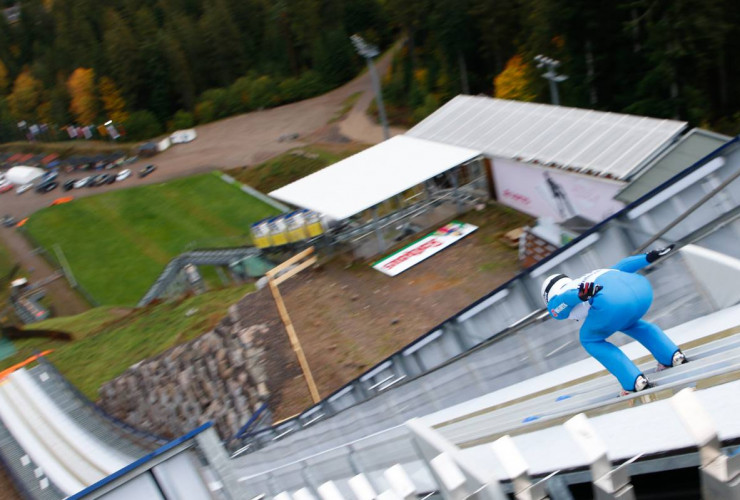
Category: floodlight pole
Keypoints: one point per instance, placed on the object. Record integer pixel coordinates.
(368, 52)
(551, 76)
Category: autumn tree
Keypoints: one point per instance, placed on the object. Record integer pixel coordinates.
(514, 81)
(84, 103)
(113, 102)
(26, 96)
(4, 81)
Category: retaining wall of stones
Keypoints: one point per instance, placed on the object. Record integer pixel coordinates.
(218, 377)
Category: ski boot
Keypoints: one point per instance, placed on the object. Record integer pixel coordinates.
(678, 359)
(641, 383)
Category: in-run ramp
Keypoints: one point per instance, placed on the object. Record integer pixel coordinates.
(533, 411)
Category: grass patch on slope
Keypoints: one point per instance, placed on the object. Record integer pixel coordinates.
(117, 243)
(346, 107)
(293, 165)
(108, 340)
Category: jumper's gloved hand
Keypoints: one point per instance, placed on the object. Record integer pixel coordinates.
(587, 290)
(658, 253)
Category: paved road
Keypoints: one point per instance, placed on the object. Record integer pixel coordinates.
(246, 139)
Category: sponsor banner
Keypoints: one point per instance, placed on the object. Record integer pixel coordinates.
(424, 248)
(112, 132)
(559, 195)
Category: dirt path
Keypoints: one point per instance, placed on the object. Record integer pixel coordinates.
(65, 300)
(241, 140)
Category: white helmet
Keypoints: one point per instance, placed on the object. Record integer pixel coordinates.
(553, 284)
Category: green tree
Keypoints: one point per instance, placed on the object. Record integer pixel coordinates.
(333, 57)
(122, 56)
(205, 112)
(142, 125)
(58, 109)
(449, 23)
(179, 71)
(681, 44)
(182, 120)
(222, 42)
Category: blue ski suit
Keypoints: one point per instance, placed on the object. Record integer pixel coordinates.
(618, 306)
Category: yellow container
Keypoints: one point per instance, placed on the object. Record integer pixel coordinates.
(296, 227)
(260, 235)
(278, 231)
(313, 224)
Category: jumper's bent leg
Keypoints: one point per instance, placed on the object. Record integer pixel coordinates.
(654, 340)
(612, 358)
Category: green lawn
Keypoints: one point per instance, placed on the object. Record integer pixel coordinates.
(117, 243)
(108, 340)
(6, 265)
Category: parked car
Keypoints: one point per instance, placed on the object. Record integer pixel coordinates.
(70, 184)
(23, 188)
(147, 170)
(49, 176)
(123, 175)
(93, 181)
(99, 180)
(46, 187)
(8, 221)
(80, 183)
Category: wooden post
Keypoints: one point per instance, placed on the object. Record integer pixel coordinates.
(274, 281)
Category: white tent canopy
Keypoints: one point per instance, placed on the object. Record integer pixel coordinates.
(23, 175)
(376, 174)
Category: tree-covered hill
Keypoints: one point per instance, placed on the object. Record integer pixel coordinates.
(661, 58)
(147, 63)
(166, 64)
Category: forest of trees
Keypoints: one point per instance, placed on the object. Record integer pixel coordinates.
(660, 58)
(159, 65)
(162, 64)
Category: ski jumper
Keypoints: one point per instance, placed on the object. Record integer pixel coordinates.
(618, 306)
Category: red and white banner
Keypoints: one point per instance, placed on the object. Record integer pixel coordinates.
(424, 248)
(560, 195)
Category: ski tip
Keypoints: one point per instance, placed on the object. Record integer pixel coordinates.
(564, 396)
(530, 419)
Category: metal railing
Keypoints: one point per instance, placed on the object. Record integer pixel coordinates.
(211, 257)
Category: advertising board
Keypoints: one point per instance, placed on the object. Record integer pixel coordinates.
(421, 250)
(559, 195)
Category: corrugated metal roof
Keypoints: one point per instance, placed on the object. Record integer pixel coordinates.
(691, 148)
(594, 142)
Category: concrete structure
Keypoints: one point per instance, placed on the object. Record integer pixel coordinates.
(687, 150)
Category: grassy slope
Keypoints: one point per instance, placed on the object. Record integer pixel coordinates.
(108, 340)
(291, 166)
(118, 242)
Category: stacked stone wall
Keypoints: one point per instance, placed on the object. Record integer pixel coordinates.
(218, 377)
